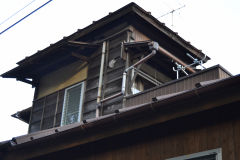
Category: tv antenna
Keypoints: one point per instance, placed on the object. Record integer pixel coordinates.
(171, 12)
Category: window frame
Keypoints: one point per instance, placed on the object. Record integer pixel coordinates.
(217, 151)
(80, 104)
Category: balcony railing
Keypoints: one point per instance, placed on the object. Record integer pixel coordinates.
(178, 85)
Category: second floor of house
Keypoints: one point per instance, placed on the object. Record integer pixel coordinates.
(125, 59)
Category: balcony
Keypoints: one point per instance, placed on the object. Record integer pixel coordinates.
(182, 84)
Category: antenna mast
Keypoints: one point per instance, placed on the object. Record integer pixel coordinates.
(171, 12)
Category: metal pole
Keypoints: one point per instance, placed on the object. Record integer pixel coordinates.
(101, 77)
(142, 60)
(124, 82)
(111, 97)
(134, 65)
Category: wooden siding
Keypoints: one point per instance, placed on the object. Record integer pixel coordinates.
(223, 73)
(212, 129)
(138, 36)
(50, 105)
(90, 100)
(47, 110)
(112, 78)
(185, 83)
(62, 78)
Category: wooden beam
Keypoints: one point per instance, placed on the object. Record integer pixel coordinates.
(85, 44)
(26, 81)
(81, 57)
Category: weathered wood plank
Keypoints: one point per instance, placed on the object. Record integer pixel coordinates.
(89, 106)
(113, 87)
(236, 137)
(118, 72)
(93, 73)
(92, 84)
(117, 40)
(115, 52)
(89, 115)
(112, 108)
(91, 95)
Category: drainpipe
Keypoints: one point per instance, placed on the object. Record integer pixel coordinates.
(101, 77)
(154, 47)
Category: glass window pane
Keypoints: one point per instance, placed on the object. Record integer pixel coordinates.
(72, 105)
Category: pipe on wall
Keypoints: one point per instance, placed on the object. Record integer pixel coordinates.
(154, 47)
(101, 77)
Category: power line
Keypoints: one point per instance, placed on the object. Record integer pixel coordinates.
(25, 17)
(16, 12)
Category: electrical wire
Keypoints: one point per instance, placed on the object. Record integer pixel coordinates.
(16, 12)
(25, 16)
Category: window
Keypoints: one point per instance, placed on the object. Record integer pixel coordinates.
(72, 105)
(215, 154)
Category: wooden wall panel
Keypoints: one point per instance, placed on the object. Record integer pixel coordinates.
(185, 83)
(89, 106)
(236, 137)
(113, 76)
(90, 97)
(89, 115)
(223, 74)
(226, 141)
(183, 136)
(138, 36)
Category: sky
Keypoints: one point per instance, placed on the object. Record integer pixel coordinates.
(212, 26)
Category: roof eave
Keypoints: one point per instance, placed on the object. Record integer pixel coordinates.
(132, 7)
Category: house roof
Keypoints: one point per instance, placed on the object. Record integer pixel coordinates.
(23, 115)
(160, 110)
(59, 51)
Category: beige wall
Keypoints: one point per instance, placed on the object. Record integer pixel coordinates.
(62, 78)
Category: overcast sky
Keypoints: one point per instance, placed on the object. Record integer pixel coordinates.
(210, 25)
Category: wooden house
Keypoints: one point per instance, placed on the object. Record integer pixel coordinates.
(126, 87)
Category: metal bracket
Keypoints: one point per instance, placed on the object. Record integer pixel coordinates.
(179, 68)
(196, 61)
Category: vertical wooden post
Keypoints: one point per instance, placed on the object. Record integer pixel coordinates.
(55, 114)
(43, 113)
(34, 98)
(30, 119)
